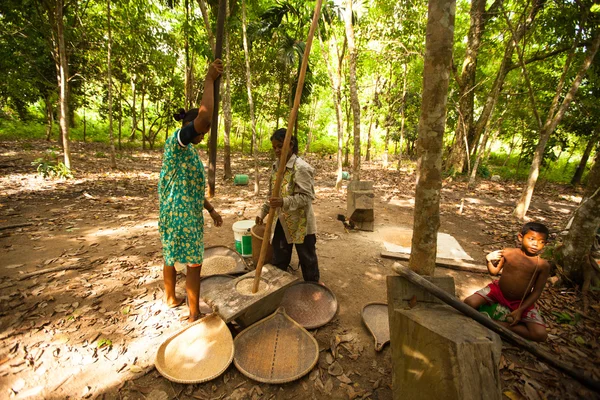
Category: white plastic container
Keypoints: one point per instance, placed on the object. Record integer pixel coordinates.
(243, 237)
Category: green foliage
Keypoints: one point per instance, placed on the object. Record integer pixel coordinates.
(483, 171)
(566, 318)
(325, 146)
(18, 130)
(103, 342)
(49, 166)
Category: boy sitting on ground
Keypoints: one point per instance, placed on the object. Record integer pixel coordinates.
(523, 278)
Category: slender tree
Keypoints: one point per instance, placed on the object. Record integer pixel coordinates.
(253, 148)
(586, 155)
(466, 84)
(436, 73)
(575, 251)
(55, 11)
(113, 158)
(553, 118)
(334, 71)
(227, 113)
(214, 127)
(354, 102)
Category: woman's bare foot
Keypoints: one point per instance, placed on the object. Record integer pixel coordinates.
(174, 302)
(194, 318)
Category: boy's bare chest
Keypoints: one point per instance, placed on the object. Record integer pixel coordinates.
(517, 262)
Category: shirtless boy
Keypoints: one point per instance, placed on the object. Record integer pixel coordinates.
(523, 278)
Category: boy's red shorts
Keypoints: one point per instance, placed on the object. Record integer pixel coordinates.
(492, 294)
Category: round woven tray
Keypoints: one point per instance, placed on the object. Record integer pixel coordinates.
(375, 318)
(275, 350)
(310, 304)
(197, 353)
(219, 252)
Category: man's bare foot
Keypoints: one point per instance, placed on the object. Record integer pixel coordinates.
(174, 303)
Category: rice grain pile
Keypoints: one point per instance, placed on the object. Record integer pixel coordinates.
(218, 265)
(245, 287)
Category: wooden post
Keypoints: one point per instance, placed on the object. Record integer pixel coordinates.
(534, 349)
(286, 145)
(214, 126)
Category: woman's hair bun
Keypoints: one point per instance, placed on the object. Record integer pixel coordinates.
(179, 115)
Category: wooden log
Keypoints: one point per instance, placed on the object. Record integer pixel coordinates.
(53, 269)
(2, 228)
(441, 262)
(534, 349)
(286, 145)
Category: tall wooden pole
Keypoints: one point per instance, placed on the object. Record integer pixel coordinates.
(286, 146)
(214, 126)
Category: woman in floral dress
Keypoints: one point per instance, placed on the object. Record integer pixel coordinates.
(181, 198)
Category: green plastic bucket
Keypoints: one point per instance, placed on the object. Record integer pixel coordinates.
(345, 175)
(240, 180)
(243, 237)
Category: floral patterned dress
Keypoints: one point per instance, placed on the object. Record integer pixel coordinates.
(181, 199)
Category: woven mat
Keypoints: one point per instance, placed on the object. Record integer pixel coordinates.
(275, 350)
(198, 353)
(375, 317)
(310, 304)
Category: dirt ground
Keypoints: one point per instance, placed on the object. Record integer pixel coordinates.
(90, 327)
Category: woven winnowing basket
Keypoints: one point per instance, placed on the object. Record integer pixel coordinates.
(375, 318)
(197, 353)
(275, 350)
(310, 304)
(238, 264)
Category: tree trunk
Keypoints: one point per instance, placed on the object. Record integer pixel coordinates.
(436, 72)
(348, 136)
(189, 67)
(353, 90)
(49, 115)
(551, 122)
(206, 18)
(227, 114)
(143, 115)
(505, 68)
(402, 116)
(368, 152)
(250, 100)
(214, 127)
(56, 15)
(335, 77)
(510, 148)
(374, 105)
(120, 114)
(311, 124)
(466, 86)
(133, 109)
(577, 245)
(113, 158)
(586, 155)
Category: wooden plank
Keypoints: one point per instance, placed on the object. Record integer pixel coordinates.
(232, 305)
(441, 262)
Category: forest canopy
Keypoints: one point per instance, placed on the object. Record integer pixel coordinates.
(513, 65)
